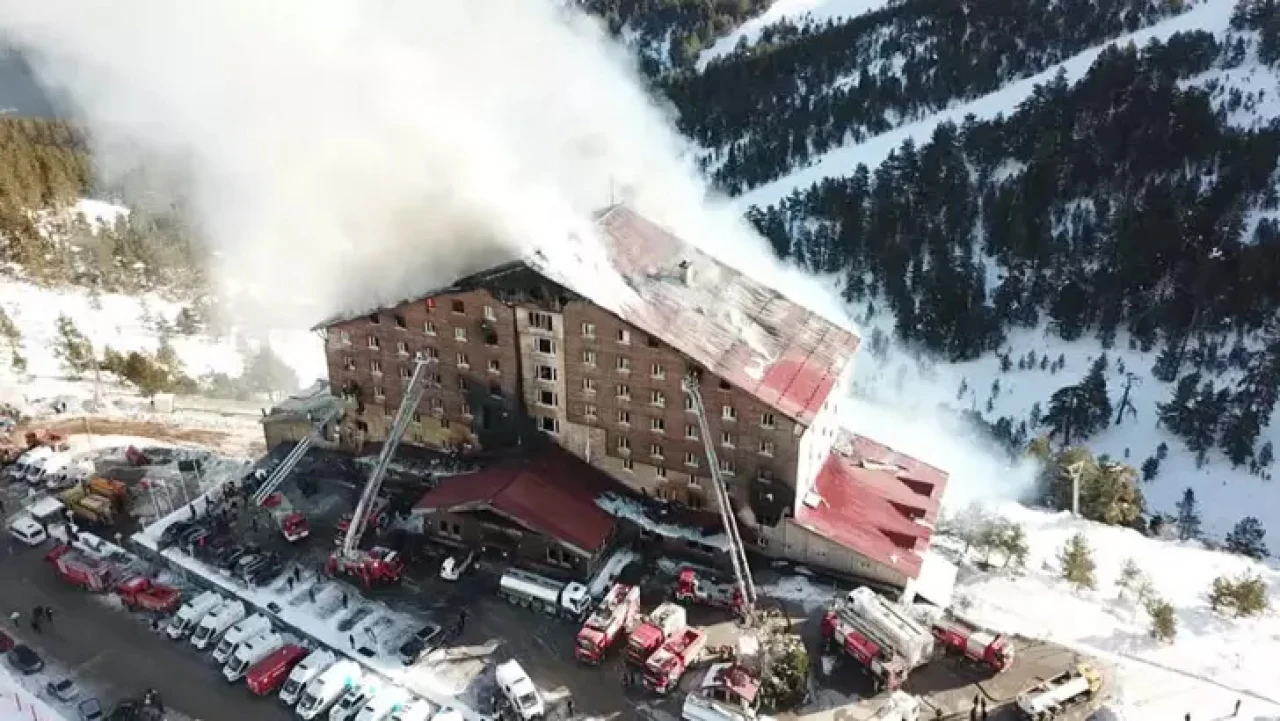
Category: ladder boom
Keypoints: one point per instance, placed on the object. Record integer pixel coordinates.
(295, 455)
(412, 395)
(737, 550)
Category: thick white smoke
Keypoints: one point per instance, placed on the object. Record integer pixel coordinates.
(351, 152)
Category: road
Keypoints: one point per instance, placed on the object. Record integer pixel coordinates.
(115, 650)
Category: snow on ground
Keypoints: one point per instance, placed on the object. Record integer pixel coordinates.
(632, 510)
(1210, 16)
(1213, 661)
(20, 700)
(794, 10)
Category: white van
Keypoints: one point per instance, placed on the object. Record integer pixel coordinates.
(249, 653)
(65, 475)
(191, 613)
(324, 690)
(29, 462)
(383, 704)
(418, 710)
(354, 699)
(216, 623)
(316, 663)
(516, 685)
(24, 528)
(239, 633)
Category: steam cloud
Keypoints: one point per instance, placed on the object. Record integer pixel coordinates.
(348, 153)
(354, 152)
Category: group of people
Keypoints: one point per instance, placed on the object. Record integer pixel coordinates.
(40, 617)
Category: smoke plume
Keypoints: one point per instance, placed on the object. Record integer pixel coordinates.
(349, 152)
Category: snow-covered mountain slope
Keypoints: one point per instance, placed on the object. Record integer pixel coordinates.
(1210, 16)
(794, 10)
(1213, 661)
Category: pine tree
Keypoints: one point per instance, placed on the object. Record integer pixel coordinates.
(1076, 559)
(1246, 538)
(1130, 576)
(1188, 516)
(1244, 595)
(72, 348)
(9, 332)
(1150, 468)
(1164, 623)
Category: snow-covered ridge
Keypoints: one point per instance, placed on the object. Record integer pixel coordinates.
(1210, 16)
(794, 10)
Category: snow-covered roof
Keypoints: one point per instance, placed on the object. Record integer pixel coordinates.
(308, 403)
(738, 328)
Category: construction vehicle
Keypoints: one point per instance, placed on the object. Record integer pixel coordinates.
(114, 491)
(88, 507)
(692, 588)
(610, 621)
(141, 593)
(956, 636)
(728, 692)
(79, 569)
(663, 623)
(523, 588)
(881, 636)
(379, 565)
(294, 527)
(1051, 696)
(663, 670)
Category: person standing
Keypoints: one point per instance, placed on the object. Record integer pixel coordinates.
(1236, 712)
(570, 705)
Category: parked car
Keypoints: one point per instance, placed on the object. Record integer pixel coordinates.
(90, 710)
(64, 690)
(171, 534)
(266, 573)
(427, 639)
(454, 566)
(25, 660)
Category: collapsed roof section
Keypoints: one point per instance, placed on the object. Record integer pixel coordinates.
(874, 500)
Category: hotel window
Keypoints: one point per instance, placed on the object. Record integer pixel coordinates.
(458, 307)
(624, 443)
(766, 448)
(726, 466)
(656, 398)
(548, 398)
(417, 417)
(690, 459)
(691, 432)
(588, 330)
(400, 322)
(378, 392)
(545, 373)
(660, 472)
(402, 348)
(460, 335)
(541, 321)
(729, 413)
(546, 346)
(375, 367)
(548, 424)
(628, 464)
(433, 353)
(588, 385)
(489, 314)
(374, 319)
(463, 361)
(437, 405)
(624, 364)
(655, 450)
(624, 336)
(589, 411)
(589, 357)
(624, 392)
(688, 403)
(657, 371)
(767, 421)
(466, 408)
(405, 373)
(726, 440)
(624, 418)
(495, 389)
(495, 366)
(429, 328)
(373, 342)
(349, 364)
(657, 425)
(344, 337)
(463, 385)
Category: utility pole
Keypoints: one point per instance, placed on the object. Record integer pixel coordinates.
(1075, 470)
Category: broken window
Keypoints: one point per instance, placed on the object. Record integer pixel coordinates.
(624, 364)
(548, 398)
(463, 361)
(495, 366)
(548, 424)
(657, 425)
(724, 385)
(652, 342)
(624, 336)
(542, 321)
(375, 367)
(588, 330)
(589, 357)
(374, 319)
(767, 421)
(429, 328)
(546, 373)
(459, 307)
(495, 389)
(460, 335)
(546, 346)
(658, 399)
(400, 322)
(624, 418)
(490, 338)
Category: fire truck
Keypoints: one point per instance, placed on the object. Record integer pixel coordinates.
(78, 569)
(721, 593)
(377, 566)
(1051, 696)
(294, 527)
(141, 593)
(957, 636)
(665, 622)
(663, 670)
(616, 613)
(879, 635)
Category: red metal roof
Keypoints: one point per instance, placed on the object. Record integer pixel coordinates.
(876, 501)
(740, 329)
(547, 491)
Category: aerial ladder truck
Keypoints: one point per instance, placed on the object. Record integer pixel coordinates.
(378, 565)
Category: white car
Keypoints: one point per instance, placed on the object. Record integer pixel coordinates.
(25, 529)
(454, 566)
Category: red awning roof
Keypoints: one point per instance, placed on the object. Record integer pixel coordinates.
(876, 501)
(548, 492)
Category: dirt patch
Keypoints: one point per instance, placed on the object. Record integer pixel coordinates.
(144, 429)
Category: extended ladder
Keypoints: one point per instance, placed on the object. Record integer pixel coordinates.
(291, 461)
(737, 551)
(412, 395)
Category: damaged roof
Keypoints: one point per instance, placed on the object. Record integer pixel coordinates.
(872, 499)
(547, 492)
(745, 332)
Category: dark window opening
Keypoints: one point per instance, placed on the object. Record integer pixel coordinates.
(459, 307)
(653, 342)
(495, 390)
(724, 385)
(373, 319)
(400, 322)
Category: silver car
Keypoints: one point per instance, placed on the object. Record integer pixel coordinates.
(64, 690)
